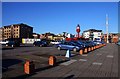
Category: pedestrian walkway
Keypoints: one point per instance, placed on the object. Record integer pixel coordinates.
(102, 62)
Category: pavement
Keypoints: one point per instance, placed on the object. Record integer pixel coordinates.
(102, 62)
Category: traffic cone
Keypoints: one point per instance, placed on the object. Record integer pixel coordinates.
(68, 54)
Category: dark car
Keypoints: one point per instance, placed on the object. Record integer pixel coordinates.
(82, 43)
(40, 43)
(90, 43)
(13, 43)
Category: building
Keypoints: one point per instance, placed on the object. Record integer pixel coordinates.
(1, 34)
(92, 34)
(114, 37)
(35, 35)
(17, 31)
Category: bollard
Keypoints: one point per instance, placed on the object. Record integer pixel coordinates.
(85, 50)
(52, 60)
(97, 46)
(89, 49)
(94, 47)
(29, 67)
(81, 51)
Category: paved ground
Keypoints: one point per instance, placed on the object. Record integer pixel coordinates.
(102, 62)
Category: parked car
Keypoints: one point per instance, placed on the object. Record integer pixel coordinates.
(40, 43)
(68, 46)
(3, 42)
(99, 42)
(13, 43)
(82, 43)
(54, 42)
(90, 43)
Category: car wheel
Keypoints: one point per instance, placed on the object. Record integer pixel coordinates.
(6, 45)
(75, 49)
(40, 45)
(58, 48)
(12, 45)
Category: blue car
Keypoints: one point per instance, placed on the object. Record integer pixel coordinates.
(68, 46)
(82, 43)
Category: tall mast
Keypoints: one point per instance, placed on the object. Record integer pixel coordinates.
(107, 27)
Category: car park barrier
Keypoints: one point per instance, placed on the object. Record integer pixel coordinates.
(29, 67)
(52, 60)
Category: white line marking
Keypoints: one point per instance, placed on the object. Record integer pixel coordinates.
(96, 63)
(82, 60)
(99, 54)
(68, 62)
(85, 55)
(110, 56)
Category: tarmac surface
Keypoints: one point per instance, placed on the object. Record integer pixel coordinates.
(102, 62)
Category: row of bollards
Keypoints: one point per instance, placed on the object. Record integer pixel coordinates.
(89, 49)
(29, 66)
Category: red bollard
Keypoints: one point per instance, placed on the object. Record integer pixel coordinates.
(81, 51)
(29, 67)
(85, 50)
(52, 60)
(89, 49)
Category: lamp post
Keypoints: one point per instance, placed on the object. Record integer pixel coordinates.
(107, 27)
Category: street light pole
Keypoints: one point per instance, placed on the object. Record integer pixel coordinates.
(107, 27)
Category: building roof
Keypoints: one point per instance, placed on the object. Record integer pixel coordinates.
(92, 30)
(18, 25)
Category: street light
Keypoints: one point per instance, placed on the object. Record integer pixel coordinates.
(107, 27)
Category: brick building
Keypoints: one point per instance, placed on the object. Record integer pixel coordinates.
(17, 31)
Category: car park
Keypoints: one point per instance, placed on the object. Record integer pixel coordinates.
(40, 43)
(68, 46)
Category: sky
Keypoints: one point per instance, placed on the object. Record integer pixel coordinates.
(58, 17)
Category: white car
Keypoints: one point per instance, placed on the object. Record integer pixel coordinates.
(3, 42)
(55, 42)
